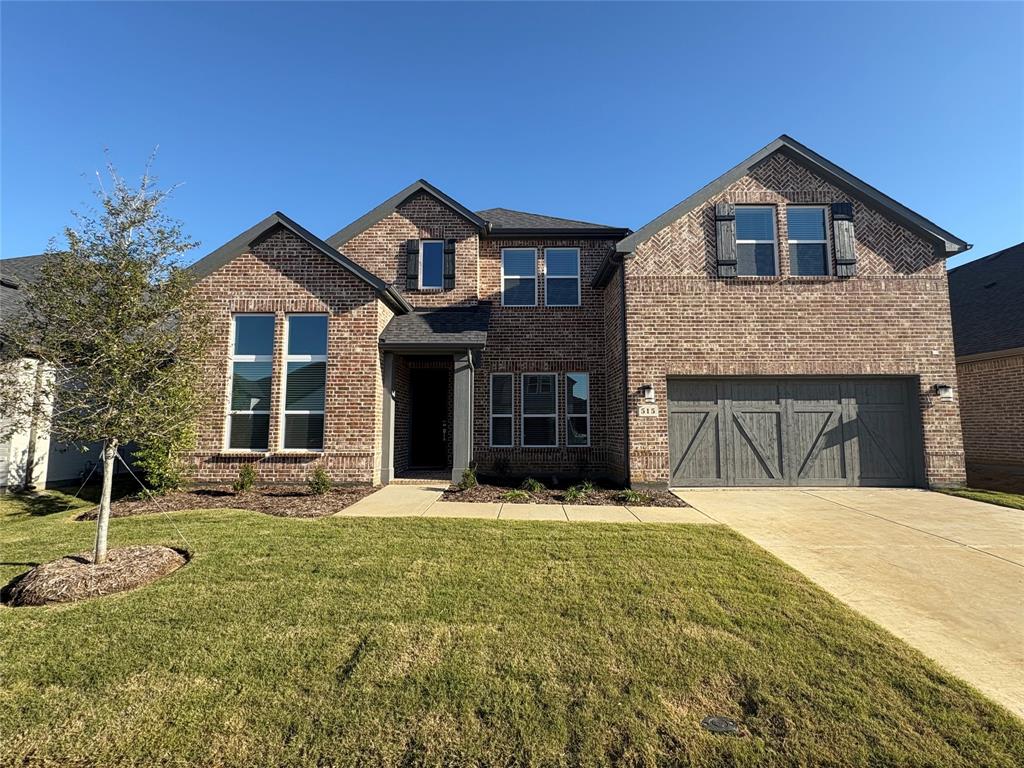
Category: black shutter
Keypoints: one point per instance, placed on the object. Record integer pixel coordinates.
(412, 264)
(725, 239)
(842, 231)
(449, 265)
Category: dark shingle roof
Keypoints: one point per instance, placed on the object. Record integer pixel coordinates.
(455, 327)
(985, 297)
(15, 274)
(507, 220)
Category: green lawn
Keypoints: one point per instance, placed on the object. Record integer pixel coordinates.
(1002, 498)
(443, 642)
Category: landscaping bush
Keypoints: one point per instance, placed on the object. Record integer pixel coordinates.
(246, 480)
(163, 460)
(578, 493)
(629, 496)
(468, 479)
(532, 486)
(319, 482)
(516, 496)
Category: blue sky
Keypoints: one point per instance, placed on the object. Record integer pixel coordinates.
(604, 112)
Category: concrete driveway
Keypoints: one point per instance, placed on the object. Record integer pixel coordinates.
(943, 573)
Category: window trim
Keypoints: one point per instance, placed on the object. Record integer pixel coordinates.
(419, 277)
(232, 359)
(774, 241)
(284, 384)
(523, 416)
(503, 276)
(828, 246)
(576, 415)
(511, 416)
(579, 281)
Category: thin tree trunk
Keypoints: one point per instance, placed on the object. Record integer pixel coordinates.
(103, 518)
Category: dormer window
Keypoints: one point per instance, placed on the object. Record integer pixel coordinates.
(432, 265)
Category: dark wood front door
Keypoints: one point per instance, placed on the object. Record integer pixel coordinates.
(428, 417)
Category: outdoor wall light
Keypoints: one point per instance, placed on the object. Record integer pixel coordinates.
(647, 390)
(944, 391)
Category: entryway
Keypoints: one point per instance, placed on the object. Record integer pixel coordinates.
(794, 431)
(429, 400)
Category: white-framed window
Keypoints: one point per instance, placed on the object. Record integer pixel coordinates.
(502, 399)
(305, 382)
(252, 371)
(756, 253)
(577, 409)
(562, 277)
(519, 277)
(432, 265)
(540, 410)
(808, 240)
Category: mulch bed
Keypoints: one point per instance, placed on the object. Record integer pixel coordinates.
(485, 492)
(74, 577)
(280, 501)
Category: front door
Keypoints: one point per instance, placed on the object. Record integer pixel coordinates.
(428, 417)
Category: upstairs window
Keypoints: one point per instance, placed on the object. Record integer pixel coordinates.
(518, 277)
(305, 382)
(808, 240)
(755, 241)
(252, 368)
(432, 265)
(501, 410)
(540, 410)
(577, 409)
(562, 277)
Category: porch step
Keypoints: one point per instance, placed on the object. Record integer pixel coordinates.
(419, 478)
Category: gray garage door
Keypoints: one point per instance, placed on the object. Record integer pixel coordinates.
(793, 432)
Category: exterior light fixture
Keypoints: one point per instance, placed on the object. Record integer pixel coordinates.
(943, 391)
(647, 390)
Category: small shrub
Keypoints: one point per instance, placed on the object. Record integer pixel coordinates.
(246, 480)
(516, 496)
(532, 486)
(629, 496)
(587, 487)
(468, 479)
(163, 462)
(574, 495)
(319, 482)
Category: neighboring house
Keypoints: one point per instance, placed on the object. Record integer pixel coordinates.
(785, 325)
(28, 458)
(987, 299)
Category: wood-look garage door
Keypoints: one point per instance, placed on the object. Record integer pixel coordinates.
(793, 432)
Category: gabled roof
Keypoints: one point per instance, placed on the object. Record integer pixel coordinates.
(824, 168)
(504, 221)
(388, 207)
(242, 243)
(449, 328)
(985, 300)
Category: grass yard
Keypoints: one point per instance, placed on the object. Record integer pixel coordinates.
(456, 642)
(1002, 498)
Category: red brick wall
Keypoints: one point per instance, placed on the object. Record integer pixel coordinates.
(615, 376)
(892, 319)
(541, 340)
(992, 409)
(281, 275)
(381, 249)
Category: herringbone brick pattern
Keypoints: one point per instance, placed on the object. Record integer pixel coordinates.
(687, 246)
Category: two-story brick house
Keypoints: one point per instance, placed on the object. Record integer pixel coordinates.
(787, 324)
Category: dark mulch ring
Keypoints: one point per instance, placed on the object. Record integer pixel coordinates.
(74, 577)
(495, 491)
(280, 501)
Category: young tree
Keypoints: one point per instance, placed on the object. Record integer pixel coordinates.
(114, 324)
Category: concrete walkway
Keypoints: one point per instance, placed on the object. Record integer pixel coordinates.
(943, 573)
(423, 500)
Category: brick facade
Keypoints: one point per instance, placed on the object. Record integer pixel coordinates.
(892, 319)
(280, 275)
(991, 398)
(663, 313)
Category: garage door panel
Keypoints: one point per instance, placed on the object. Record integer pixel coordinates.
(700, 460)
(792, 432)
